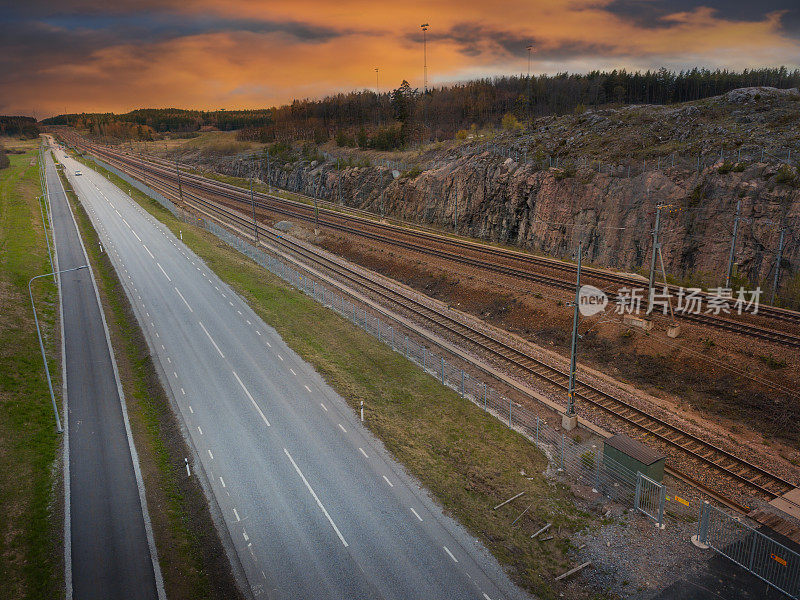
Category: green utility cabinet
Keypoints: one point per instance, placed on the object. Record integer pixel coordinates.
(634, 456)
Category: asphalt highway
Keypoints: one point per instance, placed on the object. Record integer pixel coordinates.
(311, 501)
(109, 550)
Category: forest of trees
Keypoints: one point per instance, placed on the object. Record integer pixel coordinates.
(148, 123)
(23, 127)
(395, 118)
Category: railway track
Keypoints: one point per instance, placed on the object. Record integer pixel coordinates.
(519, 363)
(451, 249)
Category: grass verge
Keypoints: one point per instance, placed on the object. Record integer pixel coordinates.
(30, 514)
(467, 459)
(192, 560)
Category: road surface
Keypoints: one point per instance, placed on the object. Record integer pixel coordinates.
(312, 502)
(109, 549)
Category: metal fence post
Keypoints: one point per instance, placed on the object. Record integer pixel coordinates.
(484, 397)
(424, 352)
(597, 471)
(406, 346)
(702, 532)
(462, 383)
(391, 329)
(510, 405)
(443, 370)
(537, 430)
(638, 493)
(563, 443)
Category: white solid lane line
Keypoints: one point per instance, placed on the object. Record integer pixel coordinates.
(164, 272)
(251, 399)
(310, 489)
(148, 251)
(184, 300)
(415, 514)
(212, 339)
(450, 554)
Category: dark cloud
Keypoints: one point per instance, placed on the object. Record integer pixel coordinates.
(474, 39)
(650, 13)
(30, 46)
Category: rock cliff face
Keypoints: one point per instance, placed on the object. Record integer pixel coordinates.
(471, 186)
(550, 210)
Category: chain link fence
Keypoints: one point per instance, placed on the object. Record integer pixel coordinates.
(751, 549)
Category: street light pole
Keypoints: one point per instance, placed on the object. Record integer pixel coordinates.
(41, 343)
(377, 99)
(424, 27)
(45, 221)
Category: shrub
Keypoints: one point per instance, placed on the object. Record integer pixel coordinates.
(510, 122)
(786, 175)
(462, 134)
(566, 172)
(725, 167)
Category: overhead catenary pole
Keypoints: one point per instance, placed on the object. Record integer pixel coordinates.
(253, 204)
(269, 180)
(338, 181)
(733, 244)
(574, 352)
(530, 49)
(180, 189)
(656, 246)
(316, 210)
(777, 267)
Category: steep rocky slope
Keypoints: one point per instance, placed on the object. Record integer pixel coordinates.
(614, 167)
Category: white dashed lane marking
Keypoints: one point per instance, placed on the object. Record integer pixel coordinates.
(263, 418)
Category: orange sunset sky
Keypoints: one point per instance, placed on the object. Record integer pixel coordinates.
(88, 55)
